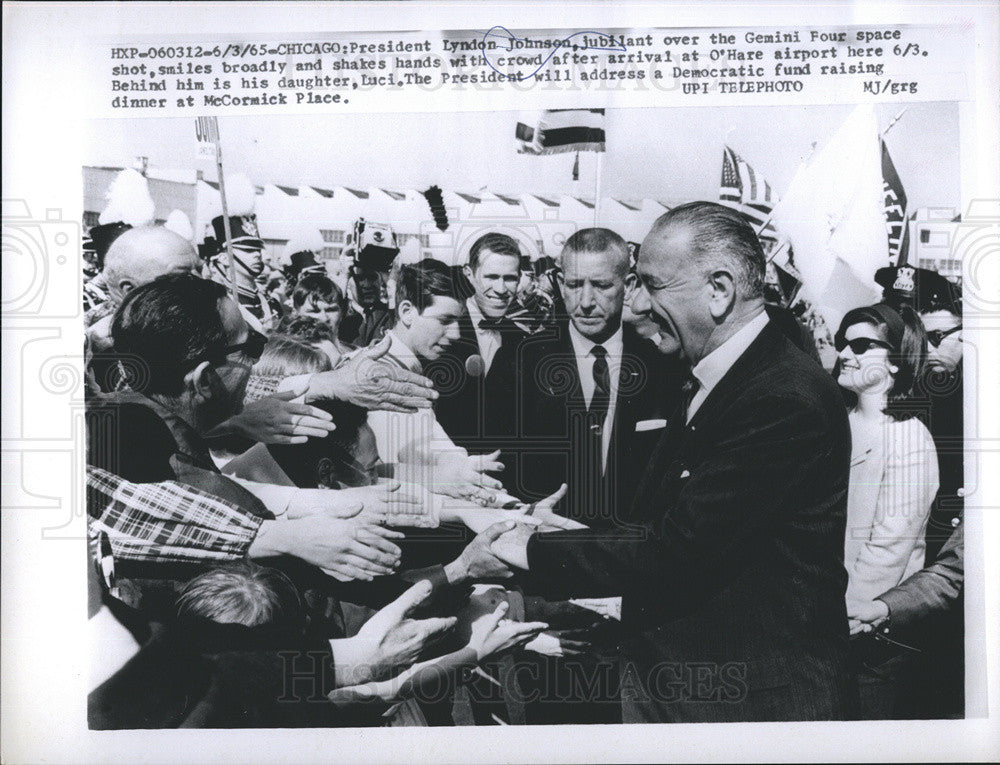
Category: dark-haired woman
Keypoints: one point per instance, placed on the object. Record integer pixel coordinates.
(894, 475)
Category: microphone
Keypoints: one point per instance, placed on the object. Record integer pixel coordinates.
(475, 365)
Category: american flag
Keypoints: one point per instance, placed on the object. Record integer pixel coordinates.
(743, 191)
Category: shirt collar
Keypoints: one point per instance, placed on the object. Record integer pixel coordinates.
(400, 353)
(474, 313)
(711, 369)
(582, 346)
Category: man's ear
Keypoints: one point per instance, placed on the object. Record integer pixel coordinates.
(467, 270)
(199, 380)
(631, 282)
(324, 473)
(406, 312)
(722, 293)
(125, 286)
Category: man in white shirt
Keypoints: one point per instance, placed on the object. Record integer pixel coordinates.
(732, 599)
(568, 401)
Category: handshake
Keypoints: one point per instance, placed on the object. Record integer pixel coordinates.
(506, 531)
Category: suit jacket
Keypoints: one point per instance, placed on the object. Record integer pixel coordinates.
(892, 485)
(931, 594)
(464, 399)
(538, 408)
(734, 594)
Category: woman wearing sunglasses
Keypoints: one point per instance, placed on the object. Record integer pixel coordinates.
(894, 474)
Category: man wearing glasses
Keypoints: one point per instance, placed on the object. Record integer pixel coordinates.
(937, 680)
(191, 351)
(939, 304)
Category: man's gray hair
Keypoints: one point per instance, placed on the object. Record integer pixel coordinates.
(598, 240)
(721, 236)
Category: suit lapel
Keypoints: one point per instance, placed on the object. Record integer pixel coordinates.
(751, 360)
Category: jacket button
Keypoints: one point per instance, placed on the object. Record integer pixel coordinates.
(955, 521)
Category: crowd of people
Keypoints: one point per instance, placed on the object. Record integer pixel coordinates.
(613, 486)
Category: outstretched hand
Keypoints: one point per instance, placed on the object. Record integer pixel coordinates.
(365, 380)
(391, 639)
(277, 419)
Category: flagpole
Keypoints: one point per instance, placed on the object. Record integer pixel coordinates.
(893, 122)
(225, 220)
(597, 190)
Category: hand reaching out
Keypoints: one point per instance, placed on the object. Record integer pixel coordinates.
(512, 546)
(350, 548)
(477, 560)
(390, 640)
(492, 633)
(364, 380)
(277, 419)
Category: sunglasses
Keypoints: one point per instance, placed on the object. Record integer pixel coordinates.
(252, 347)
(935, 336)
(860, 345)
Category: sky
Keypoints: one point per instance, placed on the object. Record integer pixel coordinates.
(673, 154)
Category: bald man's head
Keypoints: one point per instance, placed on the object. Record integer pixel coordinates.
(141, 255)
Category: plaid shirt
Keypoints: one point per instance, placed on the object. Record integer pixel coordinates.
(166, 521)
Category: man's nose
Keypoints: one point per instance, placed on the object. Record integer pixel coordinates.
(453, 332)
(587, 296)
(640, 304)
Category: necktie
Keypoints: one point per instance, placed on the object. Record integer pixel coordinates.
(597, 412)
(491, 324)
(601, 399)
(688, 390)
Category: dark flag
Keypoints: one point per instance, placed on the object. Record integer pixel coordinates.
(895, 211)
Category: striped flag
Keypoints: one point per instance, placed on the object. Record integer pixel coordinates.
(741, 190)
(895, 210)
(562, 130)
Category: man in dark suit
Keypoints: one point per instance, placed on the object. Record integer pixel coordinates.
(459, 374)
(585, 401)
(734, 595)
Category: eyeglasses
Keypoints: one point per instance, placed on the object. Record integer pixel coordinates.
(935, 336)
(252, 347)
(860, 345)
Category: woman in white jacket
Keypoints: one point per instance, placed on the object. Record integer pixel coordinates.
(894, 471)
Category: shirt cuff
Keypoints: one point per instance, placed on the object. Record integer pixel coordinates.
(275, 498)
(298, 382)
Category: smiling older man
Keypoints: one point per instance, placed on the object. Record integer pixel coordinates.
(733, 594)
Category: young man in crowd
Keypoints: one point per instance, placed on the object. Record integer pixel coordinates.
(483, 329)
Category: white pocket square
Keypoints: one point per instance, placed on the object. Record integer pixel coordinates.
(644, 425)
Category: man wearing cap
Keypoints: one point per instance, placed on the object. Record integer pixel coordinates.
(939, 304)
(936, 676)
(248, 249)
